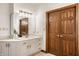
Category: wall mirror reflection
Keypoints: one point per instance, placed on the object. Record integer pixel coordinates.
(23, 24)
(23, 27)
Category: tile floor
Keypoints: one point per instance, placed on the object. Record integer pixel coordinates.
(43, 54)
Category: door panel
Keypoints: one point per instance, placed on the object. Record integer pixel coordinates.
(68, 31)
(54, 30)
(62, 32)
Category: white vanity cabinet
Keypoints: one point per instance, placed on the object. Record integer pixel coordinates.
(15, 48)
(20, 48)
(10, 48)
(3, 49)
(38, 44)
(31, 47)
(27, 47)
(0, 49)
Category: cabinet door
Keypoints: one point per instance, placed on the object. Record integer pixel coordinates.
(24, 48)
(0, 49)
(30, 47)
(37, 44)
(11, 48)
(27, 47)
(14, 48)
(4, 49)
(68, 27)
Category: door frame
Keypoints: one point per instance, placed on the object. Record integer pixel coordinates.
(47, 26)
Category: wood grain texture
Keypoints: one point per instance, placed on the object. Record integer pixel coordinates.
(68, 31)
(61, 31)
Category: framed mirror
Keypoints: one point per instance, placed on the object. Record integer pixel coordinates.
(23, 27)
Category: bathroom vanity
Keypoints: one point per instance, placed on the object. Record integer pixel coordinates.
(20, 46)
(24, 39)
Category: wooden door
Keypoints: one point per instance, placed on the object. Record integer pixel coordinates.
(54, 31)
(61, 31)
(68, 31)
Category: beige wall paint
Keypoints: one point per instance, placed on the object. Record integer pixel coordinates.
(4, 20)
(29, 7)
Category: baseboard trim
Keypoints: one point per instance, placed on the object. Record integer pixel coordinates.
(43, 51)
(35, 53)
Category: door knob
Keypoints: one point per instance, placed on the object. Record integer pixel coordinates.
(58, 35)
(61, 36)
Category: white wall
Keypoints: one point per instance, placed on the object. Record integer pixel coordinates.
(28, 7)
(4, 20)
(41, 18)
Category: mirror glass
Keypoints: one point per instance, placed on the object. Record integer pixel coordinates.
(22, 25)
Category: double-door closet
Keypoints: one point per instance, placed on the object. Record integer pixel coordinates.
(62, 31)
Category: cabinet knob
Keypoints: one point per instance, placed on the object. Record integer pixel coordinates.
(7, 45)
(1, 49)
(28, 46)
(24, 43)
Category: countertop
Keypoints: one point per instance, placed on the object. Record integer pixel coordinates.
(21, 38)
